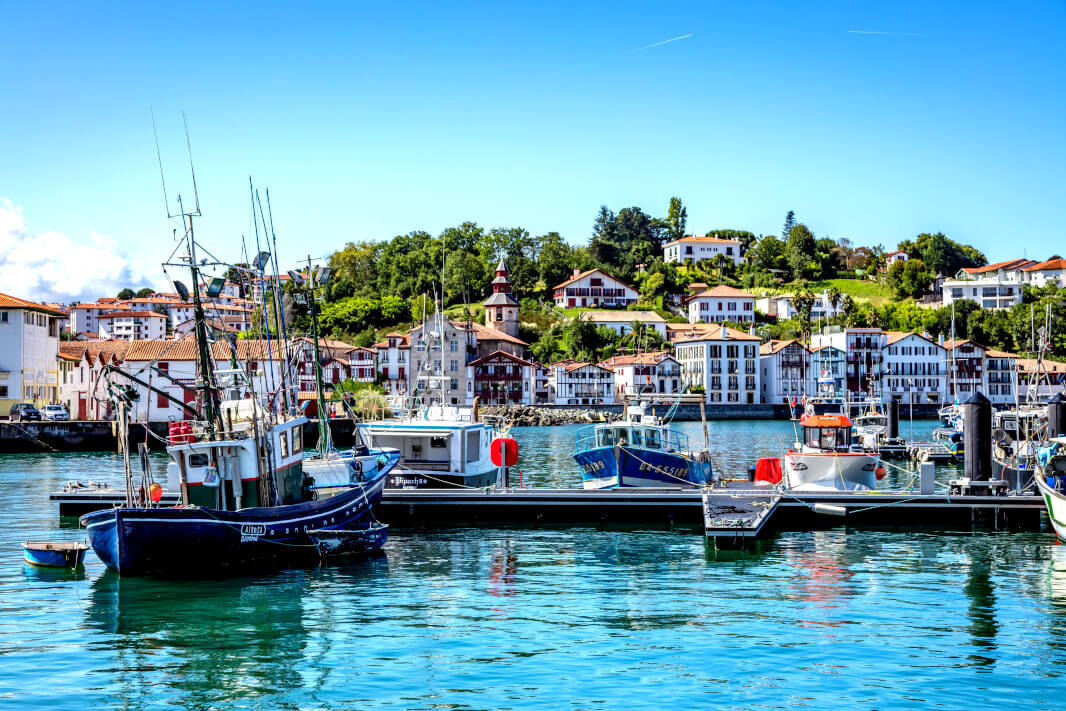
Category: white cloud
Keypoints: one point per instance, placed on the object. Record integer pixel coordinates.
(50, 266)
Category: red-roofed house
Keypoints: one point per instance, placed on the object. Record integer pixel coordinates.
(695, 249)
(785, 371)
(914, 369)
(994, 286)
(721, 303)
(578, 383)
(595, 288)
(503, 378)
(1052, 271)
(394, 355)
(724, 362)
(657, 373)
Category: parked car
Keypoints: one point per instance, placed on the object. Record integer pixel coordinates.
(24, 411)
(54, 412)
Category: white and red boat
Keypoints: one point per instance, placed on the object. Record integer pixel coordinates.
(823, 460)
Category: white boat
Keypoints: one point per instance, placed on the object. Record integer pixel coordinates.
(440, 447)
(870, 428)
(1051, 482)
(823, 461)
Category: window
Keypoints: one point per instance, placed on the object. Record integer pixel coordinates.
(198, 460)
(297, 439)
(3, 391)
(438, 442)
(453, 365)
(453, 346)
(3, 316)
(284, 437)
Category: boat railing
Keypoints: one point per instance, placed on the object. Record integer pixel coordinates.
(643, 436)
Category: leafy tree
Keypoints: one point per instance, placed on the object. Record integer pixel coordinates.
(790, 222)
(147, 291)
(604, 244)
(803, 302)
(800, 251)
(768, 253)
(909, 278)
(944, 256)
(126, 293)
(365, 338)
(466, 277)
(652, 283)
(555, 260)
(676, 218)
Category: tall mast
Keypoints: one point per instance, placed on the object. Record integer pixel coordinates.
(207, 374)
(324, 442)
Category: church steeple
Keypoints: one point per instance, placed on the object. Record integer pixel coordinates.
(501, 308)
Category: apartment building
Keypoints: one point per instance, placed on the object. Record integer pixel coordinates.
(786, 372)
(724, 362)
(393, 358)
(995, 286)
(862, 349)
(965, 361)
(503, 378)
(29, 347)
(439, 362)
(914, 369)
(783, 307)
(129, 325)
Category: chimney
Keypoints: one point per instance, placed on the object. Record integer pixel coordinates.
(576, 272)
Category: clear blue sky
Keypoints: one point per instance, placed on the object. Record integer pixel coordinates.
(872, 123)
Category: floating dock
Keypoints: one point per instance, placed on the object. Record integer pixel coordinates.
(662, 508)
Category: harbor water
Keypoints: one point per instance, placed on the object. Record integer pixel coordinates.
(544, 618)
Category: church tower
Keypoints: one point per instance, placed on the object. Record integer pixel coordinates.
(501, 309)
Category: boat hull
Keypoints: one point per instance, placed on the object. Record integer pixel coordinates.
(646, 468)
(431, 479)
(189, 541)
(332, 475)
(1056, 506)
(830, 471)
(54, 555)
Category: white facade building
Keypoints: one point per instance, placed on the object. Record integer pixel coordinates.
(579, 383)
(892, 257)
(394, 356)
(783, 308)
(722, 303)
(914, 369)
(594, 287)
(785, 372)
(657, 373)
(697, 249)
(132, 325)
(621, 322)
(29, 348)
(862, 349)
(1052, 271)
(995, 286)
(725, 364)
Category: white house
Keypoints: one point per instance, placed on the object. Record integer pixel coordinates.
(722, 303)
(29, 347)
(892, 257)
(914, 371)
(1001, 377)
(132, 325)
(657, 373)
(1052, 271)
(785, 372)
(783, 308)
(828, 366)
(621, 322)
(394, 355)
(362, 364)
(995, 286)
(697, 249)
(578, 383)
(83, 317)
(594, 287)
(724, 363)
(965, 368)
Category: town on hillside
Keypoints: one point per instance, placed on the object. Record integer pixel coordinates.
(645, 308)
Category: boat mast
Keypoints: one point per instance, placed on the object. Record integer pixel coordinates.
(324, 443)
(207, 384)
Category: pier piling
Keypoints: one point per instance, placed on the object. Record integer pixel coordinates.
(892, 410)
(1056, 416)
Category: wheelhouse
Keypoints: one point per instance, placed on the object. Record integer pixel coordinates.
(829, 433)
(631, 435)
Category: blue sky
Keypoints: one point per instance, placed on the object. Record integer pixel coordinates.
(872, 123)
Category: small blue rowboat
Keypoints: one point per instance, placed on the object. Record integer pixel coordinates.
(348, 541)
(64, 554)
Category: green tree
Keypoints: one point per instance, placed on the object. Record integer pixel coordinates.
(909, 278)
(800, 251)
(790, 222)
(555, 261)
(466, 277)
(768, 253)
(803, 302)
(676, 219)
(147, 291)
(126, 293)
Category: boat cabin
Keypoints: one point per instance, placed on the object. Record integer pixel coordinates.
(631, 435)
(827, 433)
(430, 446)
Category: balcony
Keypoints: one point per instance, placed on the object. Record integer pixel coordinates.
(497, 376)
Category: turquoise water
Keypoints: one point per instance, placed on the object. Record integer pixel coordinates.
(519, 619)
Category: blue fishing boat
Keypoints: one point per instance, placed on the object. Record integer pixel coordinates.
(62, 554)
(246, 500)
(639, 451)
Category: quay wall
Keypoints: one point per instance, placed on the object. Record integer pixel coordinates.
(98, 435)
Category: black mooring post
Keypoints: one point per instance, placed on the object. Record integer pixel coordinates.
(1056, 416)
(977, 437)
(893, 418)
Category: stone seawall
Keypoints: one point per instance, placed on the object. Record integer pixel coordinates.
(546, 415)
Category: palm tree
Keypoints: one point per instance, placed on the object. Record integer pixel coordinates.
(847, 307)
(834, 296)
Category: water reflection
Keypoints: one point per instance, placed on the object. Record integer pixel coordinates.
(209, 642)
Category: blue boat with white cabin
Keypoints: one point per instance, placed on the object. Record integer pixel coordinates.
(639, 451)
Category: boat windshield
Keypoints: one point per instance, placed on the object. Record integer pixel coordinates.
(828, 438)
